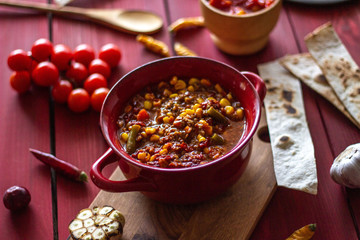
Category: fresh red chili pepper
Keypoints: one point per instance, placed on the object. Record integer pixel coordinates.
(60, 166)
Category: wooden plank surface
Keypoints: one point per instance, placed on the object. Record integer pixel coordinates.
(24, 123)
(340, 132)
(330, 131)
(234, 213)
(78, 136)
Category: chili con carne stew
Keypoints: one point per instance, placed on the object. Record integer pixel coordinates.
(181, 123)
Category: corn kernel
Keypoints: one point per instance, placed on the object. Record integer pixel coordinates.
(206, 150)
(201, 138)
(128, 108)
(224, 102)
(152, 158)
(199, 112)
(187, 100)
(174, 95)
(147, 105)
(150, 130)
(167, 92)
(124, 136)
(196, 106)
(182, 91)
(180, 84)
(169, 114)
(166, 120)
(173, 80)
(157, 103)
(154, 138)
(143, 134)
(163, 151)
(191, 88)
(161, 131)
(193, 81)
(144, 156)
(183, 114)
(205, 82)
(161, 84)
(189, 111)
(200, 100)
(211, 98)
(229, 110)
(219, 89)
(240, 113)
(229, 96)
(149, 96)
(240, 12)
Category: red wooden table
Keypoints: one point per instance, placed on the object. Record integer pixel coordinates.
(33, 120)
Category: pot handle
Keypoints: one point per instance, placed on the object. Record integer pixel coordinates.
(257, 82)
(134, 184)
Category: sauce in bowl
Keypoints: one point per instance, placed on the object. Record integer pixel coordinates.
(240, 7)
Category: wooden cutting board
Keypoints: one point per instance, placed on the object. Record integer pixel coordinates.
(231, 215)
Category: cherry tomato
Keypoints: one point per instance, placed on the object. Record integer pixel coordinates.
(61, 91)
(41, 49)
(19, 60)
(16, 198)
(33, 64)
(77, 71)
(61, 57)
(79, 100)
(94, 81)
(20, 81)
(98, 97)
(111, 54)
(99, 66)
(84, 54)
(45, 74)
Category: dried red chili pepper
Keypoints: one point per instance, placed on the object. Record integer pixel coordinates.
(62, 167)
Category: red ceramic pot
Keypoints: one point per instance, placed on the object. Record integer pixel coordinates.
(185, 185)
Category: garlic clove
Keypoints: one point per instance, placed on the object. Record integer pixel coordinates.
(345, 169)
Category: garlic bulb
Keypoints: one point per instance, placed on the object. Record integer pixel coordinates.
(98, 223)
(345, 169)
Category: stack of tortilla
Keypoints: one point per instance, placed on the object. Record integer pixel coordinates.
(329, 70)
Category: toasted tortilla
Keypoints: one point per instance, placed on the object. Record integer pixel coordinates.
(338, 66)
(304, 67)
(291, 143)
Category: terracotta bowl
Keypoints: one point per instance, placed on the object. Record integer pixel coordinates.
(181, 185)
(240, 34)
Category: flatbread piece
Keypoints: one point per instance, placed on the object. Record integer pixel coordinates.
(338, 66)
(291, 143)
(304, 67)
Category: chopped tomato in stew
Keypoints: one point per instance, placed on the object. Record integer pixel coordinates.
(181, 123)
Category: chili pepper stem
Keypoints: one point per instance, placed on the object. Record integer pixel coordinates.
(83, 177)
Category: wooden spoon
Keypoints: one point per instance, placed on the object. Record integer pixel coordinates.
(130, 21)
